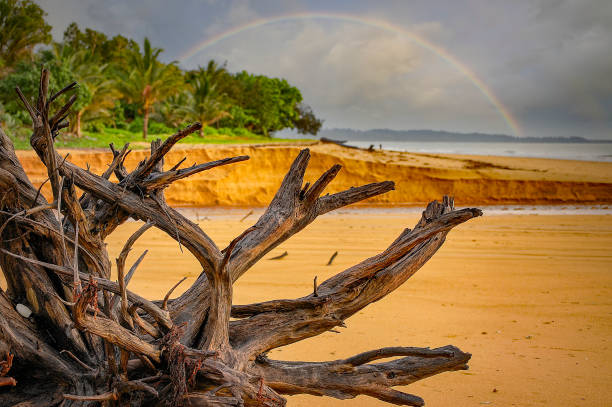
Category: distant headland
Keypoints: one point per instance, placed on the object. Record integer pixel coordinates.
(440, 135)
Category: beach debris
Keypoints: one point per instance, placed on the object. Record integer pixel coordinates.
(246, 216)
(201, 337)
(331, 259)
(341, 143)
(280, 256)
(329, 140)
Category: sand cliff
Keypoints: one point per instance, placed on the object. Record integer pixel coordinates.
(419, 177)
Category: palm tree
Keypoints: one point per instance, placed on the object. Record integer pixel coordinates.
(169, 112)
(97, 89)
(205, 104)
(213, 71)
(147, 81)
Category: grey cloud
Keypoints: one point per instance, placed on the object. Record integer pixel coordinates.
(362, 76)
(548, 61)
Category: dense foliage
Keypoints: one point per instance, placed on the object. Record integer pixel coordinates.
(123, 85)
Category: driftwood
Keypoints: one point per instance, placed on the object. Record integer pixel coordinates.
(341, 143)
(246, 216)
(332, 141)
(280, 256)
(92, 341)
(331, 259)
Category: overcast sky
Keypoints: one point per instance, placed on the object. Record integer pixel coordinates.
(547, 62)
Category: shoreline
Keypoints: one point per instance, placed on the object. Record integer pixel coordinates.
(592, 151)
(143, 146)
(419, 178)
(251, 213)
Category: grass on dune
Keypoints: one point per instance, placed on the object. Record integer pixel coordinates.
(119, 137)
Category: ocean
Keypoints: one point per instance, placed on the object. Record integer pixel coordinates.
(567, 151)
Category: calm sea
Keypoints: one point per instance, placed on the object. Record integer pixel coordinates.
(569, 151)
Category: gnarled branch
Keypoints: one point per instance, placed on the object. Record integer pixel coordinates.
(75, 339)
(347, 378)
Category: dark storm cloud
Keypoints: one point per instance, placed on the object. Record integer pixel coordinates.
(548, 62)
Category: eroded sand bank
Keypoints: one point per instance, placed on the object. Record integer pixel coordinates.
(419, 178)
(529, 296)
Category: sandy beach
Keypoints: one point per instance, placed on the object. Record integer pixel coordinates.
(528, 295)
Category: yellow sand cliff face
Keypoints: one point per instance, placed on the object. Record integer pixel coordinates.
(419, 178)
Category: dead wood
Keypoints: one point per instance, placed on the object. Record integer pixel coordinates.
(331, 259)
(246, 216)
(280, 256)
(90, 340)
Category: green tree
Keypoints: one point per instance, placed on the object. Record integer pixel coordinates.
(167, 112)
(100, 92)
(204, 103)
(91, 40)
(147, 81)
(99, 47)
(307, 122)
(259, 103)
(22, 76)
(96, 93)
(22, 27)
(214, 72)
(271, 101)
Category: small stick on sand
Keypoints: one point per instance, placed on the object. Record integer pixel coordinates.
(279, 257)
(247, 215)
(331, 259)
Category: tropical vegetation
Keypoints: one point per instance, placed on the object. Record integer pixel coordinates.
(125, 87)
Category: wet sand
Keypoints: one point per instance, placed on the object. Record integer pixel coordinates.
(530, 296)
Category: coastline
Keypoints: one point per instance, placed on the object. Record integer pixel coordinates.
(526, 294)
(419, 177)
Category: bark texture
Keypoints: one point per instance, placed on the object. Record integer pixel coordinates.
(71, 336)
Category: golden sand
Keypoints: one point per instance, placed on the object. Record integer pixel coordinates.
(419, 178)
(528, 295)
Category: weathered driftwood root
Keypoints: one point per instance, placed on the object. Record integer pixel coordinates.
(351, 377)
(5, 366)
(90, 340)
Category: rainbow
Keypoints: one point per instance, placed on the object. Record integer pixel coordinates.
(380, 24)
